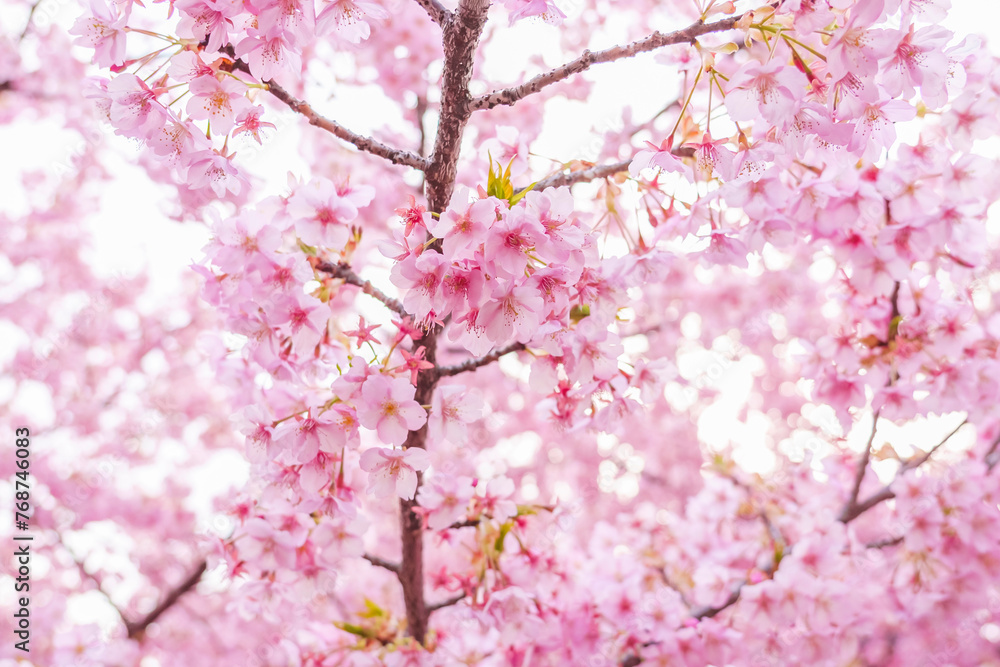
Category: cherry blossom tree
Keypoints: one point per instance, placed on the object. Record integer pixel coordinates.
(471, 383)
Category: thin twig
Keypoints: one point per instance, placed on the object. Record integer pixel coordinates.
(473, 364)
(446, 603)
(884, 544)
(91, 576)
(367, 144)
(347, 274)
(881, 496)
(438, 13)
(31, 16)
(918, 461)
(708, 612)
(421, 110)
(580, 176)
(849, 511)
(856, 509)
(381, 562)
(594, 173)
(135, 630)
(510, 96)
(991, 457)
(648, 123)
(361, 142)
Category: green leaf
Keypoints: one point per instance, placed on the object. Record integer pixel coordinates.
(372, 610)
(894, 326)
(498, 182)
(354, 629)
(504, 529)
(520, 195)
(579, 312)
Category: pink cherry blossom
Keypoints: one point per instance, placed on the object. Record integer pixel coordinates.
(856, 48)
(268, 54)
(248, 122)
(393, 471)
(209, 20)
(134, 106)
(218, 100)
(545, 9)
(339, 538)
(512, 312)
(102, 30)
(453, 408)
(389, 408)
(658, 156)
(769, 91)
(510, 241)
(874, 130)
(209, 169)
(323, 211)
(446, 500)
(349, 18)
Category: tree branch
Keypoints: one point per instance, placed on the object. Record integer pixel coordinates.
(31, 18)
(593, 173)
(346, 273)
(991, 458)
(510, 96)
(580, 176)
(446, 603)
(462, 31)
(381, 562)
(361, 142)
(885, 544)
(856, 509)
(473, 364)
(860, 508)
(438, 13)
(708, 612)
(917, 461)
(135, 630)
(849, 512)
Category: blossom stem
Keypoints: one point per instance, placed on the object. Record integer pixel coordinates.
(687, 102)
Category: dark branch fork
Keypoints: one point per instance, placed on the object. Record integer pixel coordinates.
(852, 508)
(856, 509)
(438, 13)
(346, 273)
(136, 629)
(473, 364)
(361, 142)
(381, 562)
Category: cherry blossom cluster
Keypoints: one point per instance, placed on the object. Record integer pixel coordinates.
(475, 412)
